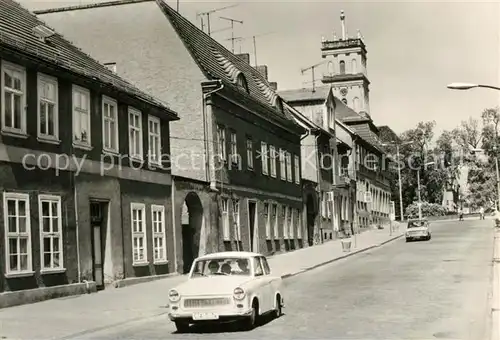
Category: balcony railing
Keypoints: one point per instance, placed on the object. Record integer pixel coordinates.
(340, 44)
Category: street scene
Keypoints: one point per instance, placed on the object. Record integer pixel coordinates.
(386, 292)
(180, 169)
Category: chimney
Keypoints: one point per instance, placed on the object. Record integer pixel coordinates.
(262, 69)
(245, 57)
(274, 85)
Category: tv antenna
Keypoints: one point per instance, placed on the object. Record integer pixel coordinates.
(232, 30)
(207, 14)
(254, 43)
(313, 76)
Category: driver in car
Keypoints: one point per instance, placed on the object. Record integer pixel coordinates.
(213, 267)
(243, 264)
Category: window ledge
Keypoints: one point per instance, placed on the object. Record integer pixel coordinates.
(110, 152)
(82, 146)
(48, 140)
(155, 165)
(136, 159)
(161, 263)
(18, 275)
(52, 271)
(140, 264)
(13, 133)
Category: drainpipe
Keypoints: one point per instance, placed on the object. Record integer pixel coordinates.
(207, 129)
(172, 189)
(318, 188)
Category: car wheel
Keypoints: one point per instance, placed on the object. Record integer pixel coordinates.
(182, 327)
(278, 311)
(251, 321)
(429, 237)
(407, 240)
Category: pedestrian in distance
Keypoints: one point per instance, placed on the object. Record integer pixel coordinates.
(481, 213)
(460, 214)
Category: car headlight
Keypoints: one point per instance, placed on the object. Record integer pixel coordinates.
(238, 293)
(174, 295)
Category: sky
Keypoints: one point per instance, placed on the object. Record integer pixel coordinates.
(414, 49)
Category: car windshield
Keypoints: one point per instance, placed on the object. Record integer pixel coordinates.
(221, 266)
(417, 224)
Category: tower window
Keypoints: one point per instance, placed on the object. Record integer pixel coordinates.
(355, 104)
(330, 67)
(342, 67)
(354, 66)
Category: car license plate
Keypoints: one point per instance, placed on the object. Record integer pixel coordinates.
(205, 316)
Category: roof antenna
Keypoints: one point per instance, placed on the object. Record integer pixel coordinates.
(232, 30)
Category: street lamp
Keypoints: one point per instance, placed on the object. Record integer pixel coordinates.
(399, 174)
(418, 185)
(466, 86)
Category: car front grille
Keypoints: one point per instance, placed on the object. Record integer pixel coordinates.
(208, 302)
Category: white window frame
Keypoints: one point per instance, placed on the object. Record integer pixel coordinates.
(285, 222)
(226, 234)
(272, 156)
(221, 142)
(8, 235)
(288, 161)
(76, 114)
(282, 165)
(138, 133)
(236, 219)
(106, 124)
(159, 233)
(275, 222)
(297, 169)
(265, 159)
(41, 79)
(157, 141)
(267, 212)
(6, 66)
(249, 147)
(291, 233)
(299, 225)
(139, 234)
(51, 235)
(234, 148)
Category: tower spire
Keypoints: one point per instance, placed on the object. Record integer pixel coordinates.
(342, 21)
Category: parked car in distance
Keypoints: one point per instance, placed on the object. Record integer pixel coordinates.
(418, 229)
(226, 287)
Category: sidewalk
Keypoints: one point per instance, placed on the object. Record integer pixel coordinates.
(76, 315)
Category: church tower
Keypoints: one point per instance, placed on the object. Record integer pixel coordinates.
(345, 69)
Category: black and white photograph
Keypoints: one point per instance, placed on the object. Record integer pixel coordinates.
(179, 169)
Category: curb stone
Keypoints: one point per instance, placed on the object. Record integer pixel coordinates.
(289, 275)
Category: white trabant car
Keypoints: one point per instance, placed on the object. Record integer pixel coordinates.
(418, 229)
(226, 287)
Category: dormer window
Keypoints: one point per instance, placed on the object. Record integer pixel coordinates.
(242, 82)
(279, 104)
(42, 32)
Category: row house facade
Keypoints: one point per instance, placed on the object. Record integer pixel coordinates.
(236, 149)
(328, 188)
(85, 184)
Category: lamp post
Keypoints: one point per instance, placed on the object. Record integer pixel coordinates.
(418, 189)
(468, 86)
(399, 175)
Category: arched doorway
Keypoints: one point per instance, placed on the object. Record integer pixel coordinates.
(311, 214)
(192, 219)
